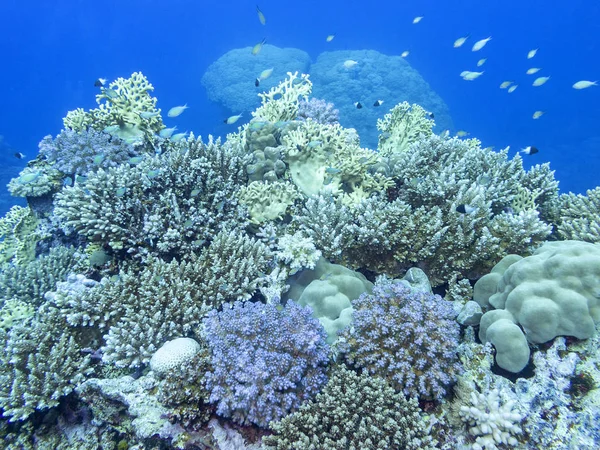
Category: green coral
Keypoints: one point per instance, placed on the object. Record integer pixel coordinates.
(353, 412)
(165, 205)
(143, 307)
(121, 103)
(37, 179)
(14, 312)
(267, 201)
(404, 125)
(281, 102)
(580, 216)
(19, 236)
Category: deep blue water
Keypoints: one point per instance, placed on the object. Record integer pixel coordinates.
(53, 50)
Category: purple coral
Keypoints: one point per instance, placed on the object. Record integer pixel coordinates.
(408, 337)
(318, 110)
(265, 361)
(82, 152)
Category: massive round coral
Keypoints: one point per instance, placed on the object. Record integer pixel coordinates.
(409, 338)
(265, 360)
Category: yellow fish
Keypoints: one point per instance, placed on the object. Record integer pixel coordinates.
(541, 80)
(480, 44)
(505, 84)
(405, 53)
(538, 114)
(350, 63)
(584, 84)
(233, 119)
(512, 88)
(258, 47)
(461, 133)
(261, 16)
(265, 74)
(177, 110)
(460, 41)
(330, 37)
(531, 53)
(417, 19)
(470, 76)
(481, 62)
(533, 70)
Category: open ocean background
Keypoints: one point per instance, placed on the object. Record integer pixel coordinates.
(52, 51)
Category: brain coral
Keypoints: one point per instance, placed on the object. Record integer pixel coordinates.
(376, 76)
(230, 79)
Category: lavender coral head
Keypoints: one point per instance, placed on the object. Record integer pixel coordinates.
(318, 110)
(265, 361)
(407, 337)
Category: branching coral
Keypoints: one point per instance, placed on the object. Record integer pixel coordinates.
(404, 125)
(353, 412)
(265, 360)
(267, 201)
(37, 179)
(580, 216)
(120, 104)
(85, 151)
(164, 205)
(281, 103)
(19, 235)
(142, 309)
(408, 338)
(318, 110)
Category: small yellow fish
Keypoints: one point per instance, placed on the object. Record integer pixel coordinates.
(265, 74)
(541, 80)
(512, 88)
(505, 84)
(405, 53)
(462, 133)
(417, 19)
(531, 53)
(258, 47)
(460, 41)
(232, 119)
(261, 16)
(330, 38)
(481, 62)
(583, 84)
(538, 114)
(470, 76)
(533, 70)
(480, 44)
(177, 110)
(350, 63)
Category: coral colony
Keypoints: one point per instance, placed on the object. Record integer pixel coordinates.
(275, 289)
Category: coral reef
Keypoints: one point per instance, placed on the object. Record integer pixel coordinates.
(408, 338)
(318, 110)
(164, 205)
(580, 216)
(265, 361)
(353, 412)
(19, 235)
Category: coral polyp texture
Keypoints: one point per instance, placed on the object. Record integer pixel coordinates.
(408, 338)
(266, 361)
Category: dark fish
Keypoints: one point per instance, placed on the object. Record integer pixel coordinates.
(358, 105)
(508, 210)
(531, 150)
(430, 115)
(19, 155)
(257, 82)
(465, 209)
(100, 82)
(378, 103)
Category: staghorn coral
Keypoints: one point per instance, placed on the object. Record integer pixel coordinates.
(580, 216)
(353, 412)
(165, 205)
(85, 151)
(267, 201)
(409, 338)
(141, 309)
(42, 363)
(265, 360)
(29, 282)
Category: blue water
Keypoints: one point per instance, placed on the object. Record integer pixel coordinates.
(53, 50)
